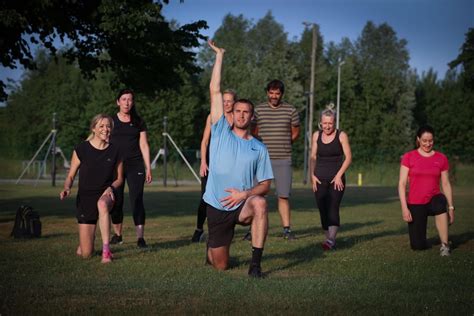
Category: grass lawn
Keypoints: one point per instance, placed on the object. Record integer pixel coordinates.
(373, 271)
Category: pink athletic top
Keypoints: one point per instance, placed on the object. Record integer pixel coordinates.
(424, 175)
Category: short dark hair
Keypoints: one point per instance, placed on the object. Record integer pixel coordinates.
(425, 129)
(246, 101)
(274, 85)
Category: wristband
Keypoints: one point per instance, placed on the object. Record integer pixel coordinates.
(451, 208)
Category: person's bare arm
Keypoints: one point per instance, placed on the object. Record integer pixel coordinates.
(75, 163)
(236, 196)
(448, 192)
(217, 106)
(346, 148)
(206, 135)
(314, 156)
(145, 150)
(402, 187)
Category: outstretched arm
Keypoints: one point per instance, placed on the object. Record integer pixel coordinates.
(204, 142)
(217, 107)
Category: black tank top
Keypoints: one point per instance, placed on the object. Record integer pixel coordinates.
(329, 158)
(97, 169)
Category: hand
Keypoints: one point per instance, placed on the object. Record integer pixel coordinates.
(148, 176)
(406, 214)
(234, 198)
(203, 169)
(216, 49)
(451, 216)
(110, 193)
(315, 181)
(338, 184)
(64, 193)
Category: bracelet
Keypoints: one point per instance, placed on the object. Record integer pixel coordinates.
(451, 208)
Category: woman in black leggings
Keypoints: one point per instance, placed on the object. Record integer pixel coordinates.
(330, 158)
(130, 136)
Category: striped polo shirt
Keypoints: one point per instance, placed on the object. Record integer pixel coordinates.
(274, 128)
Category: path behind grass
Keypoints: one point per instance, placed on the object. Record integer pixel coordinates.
(373, 271)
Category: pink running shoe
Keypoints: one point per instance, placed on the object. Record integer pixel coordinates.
(107, 256)
(328, 245)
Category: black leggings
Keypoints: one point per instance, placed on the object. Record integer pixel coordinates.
(328, 200)
(134, 172)
(419, 215)
(201, 211)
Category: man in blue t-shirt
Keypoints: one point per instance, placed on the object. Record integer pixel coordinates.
(240, 174)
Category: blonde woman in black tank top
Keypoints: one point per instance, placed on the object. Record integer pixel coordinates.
(330, 157)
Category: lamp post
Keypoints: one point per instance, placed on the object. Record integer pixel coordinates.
(311, 87)
(340, 63)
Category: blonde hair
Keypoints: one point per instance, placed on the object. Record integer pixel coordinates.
(96, 119)
(328, 111)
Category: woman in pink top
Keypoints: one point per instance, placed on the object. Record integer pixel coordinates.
(423, 168)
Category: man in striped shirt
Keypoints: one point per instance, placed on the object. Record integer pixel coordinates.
(277, 124)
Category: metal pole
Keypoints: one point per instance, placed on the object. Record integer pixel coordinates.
(311, 89)
(339, 64)
(305, 164)
(165, 154)
(53, 152)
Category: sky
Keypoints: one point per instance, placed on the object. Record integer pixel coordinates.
(435, 29)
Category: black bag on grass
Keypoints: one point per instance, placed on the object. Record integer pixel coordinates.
(27, 223)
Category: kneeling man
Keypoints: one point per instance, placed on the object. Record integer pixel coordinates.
(240, 174)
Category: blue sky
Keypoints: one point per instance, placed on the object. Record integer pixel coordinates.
(434, 29)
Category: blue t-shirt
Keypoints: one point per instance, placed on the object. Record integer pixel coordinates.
(235, 163)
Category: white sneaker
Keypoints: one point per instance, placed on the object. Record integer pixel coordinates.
(444, 251)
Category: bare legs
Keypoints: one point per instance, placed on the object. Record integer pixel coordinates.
(254, 212)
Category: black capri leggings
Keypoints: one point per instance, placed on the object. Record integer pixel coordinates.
(134, 172)
(419, 215)
(328, 200)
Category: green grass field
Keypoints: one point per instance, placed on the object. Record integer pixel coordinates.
(373, 271)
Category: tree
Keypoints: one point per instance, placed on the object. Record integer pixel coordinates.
(129, 38)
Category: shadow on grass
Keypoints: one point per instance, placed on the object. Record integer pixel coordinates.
(185, 203)
(317, 230)
(456, 240)
(311, 252)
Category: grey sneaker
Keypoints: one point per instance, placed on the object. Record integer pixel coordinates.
(288, 235)
(444, 251)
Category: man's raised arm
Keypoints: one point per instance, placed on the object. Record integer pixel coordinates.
(217, 107)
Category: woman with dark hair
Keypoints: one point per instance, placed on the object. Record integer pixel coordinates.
(130, 136)
(101, 173)
(422, 169)
(330, 157)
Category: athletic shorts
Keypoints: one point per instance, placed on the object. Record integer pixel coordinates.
(221, 224)
(282, 177)
(436, 206)
(86, 208)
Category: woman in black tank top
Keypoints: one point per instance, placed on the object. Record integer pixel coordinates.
(101, 173)
(330, 158)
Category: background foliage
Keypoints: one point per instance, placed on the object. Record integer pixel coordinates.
(383, 100)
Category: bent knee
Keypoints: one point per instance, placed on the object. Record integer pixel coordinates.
(103, 204)
(259, 204)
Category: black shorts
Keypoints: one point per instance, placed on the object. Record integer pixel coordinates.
(86, 208)
(221, 224)
(436, 206)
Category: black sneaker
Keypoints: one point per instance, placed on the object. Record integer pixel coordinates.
(141, 243)
(248, 236)
(197, 236)
(116, 239)
(288, 235)
(255, 272)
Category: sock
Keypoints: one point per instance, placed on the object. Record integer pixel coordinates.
(199, 229)
(286, 229)
(105, 247)
(256, 256)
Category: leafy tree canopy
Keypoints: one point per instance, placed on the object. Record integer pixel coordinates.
(130, 38)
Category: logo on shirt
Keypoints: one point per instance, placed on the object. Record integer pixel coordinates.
(140, 173)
